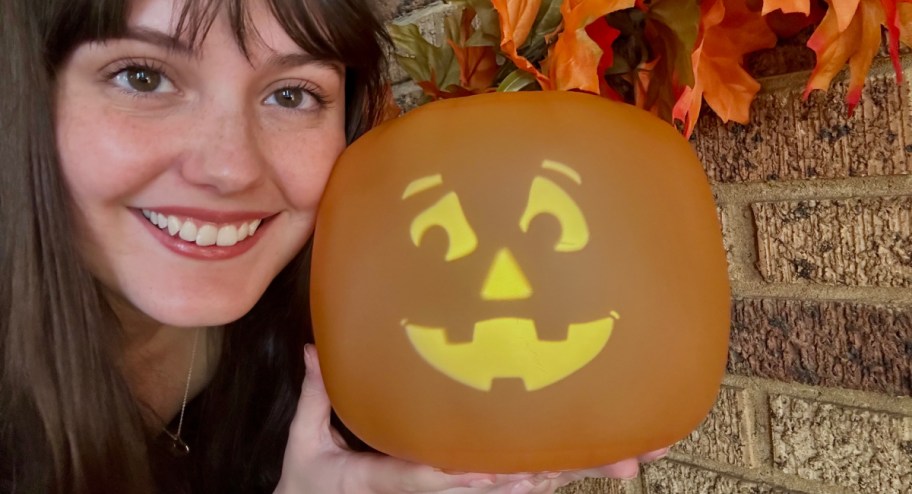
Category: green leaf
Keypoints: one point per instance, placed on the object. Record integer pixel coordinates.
(682, 20)
(424, 61)
(630, 48)
(546, 24)
(516, 81)
(413, 52)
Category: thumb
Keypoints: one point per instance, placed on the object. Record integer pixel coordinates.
(311, 420)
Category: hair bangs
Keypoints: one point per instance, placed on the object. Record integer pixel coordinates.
(332, 29)
(345, 31)
(326, 29)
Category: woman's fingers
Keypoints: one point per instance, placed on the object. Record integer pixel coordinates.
(624, 469)
(311, 421)
(387, 474)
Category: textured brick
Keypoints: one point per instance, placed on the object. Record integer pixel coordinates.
(833, 344)
(391, 9)
(860, 242)
(858, 449)
(721, 436)
(407, 95)
(668, 477)
(789, 55)
(792, 139)
(594, 486)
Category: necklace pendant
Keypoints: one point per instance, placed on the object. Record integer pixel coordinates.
(179, 448)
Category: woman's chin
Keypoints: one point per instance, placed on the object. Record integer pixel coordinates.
(194, 315)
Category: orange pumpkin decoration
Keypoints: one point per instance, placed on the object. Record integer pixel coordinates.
(520, 282)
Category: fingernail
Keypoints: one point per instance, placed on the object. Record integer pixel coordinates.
(553, 475)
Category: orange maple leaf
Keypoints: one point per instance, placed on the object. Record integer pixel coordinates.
(844, 10)
(477, 64)
(905, 22)
(857, 44)
(729, 30)
(572, 63)
(787, 6)
(516, 20)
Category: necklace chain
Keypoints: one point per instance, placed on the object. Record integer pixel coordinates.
(178, 446)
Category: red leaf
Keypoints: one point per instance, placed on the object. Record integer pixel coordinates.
(604, 35)
(892, 21)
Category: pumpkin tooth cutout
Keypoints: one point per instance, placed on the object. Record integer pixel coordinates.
(509, 347)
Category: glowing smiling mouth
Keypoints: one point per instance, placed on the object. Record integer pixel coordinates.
(509, 347)
(201, 233)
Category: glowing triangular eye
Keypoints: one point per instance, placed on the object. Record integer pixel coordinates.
(546, 197)
(446, 213)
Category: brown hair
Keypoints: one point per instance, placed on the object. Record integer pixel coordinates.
(68, 422)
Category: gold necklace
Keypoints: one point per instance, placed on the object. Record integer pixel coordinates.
(178, 446)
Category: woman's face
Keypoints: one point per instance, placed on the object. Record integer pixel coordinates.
(195, 173)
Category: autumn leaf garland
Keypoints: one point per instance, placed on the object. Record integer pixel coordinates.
(665, 56)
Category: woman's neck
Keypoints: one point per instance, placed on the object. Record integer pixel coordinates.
(160, 360)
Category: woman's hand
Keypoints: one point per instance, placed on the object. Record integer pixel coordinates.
(318, 461)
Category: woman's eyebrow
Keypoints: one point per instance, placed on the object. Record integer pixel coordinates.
(174, 44)
(291, 60)
(160, 39)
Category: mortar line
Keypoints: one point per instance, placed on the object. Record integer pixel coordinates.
(817, 189)
(756, 423)
(850, 398)
(896, 297)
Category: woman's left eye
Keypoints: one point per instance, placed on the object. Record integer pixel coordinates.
(294, 98)
(142, 79)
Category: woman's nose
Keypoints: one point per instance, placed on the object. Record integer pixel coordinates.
(227, 156)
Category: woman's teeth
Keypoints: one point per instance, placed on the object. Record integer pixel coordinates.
(205, 234)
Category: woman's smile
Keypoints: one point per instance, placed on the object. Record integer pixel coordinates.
(206, 235)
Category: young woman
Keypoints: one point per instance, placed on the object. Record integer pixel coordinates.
(161, 162)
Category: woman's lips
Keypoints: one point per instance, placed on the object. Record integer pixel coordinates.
(202, 234)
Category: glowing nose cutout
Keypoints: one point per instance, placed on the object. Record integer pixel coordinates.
(505, 280)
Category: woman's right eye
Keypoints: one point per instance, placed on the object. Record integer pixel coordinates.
(136, 79)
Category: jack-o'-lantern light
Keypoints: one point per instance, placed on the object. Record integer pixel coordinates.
(520, 282)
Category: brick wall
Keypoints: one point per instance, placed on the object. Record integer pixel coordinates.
(816, 210)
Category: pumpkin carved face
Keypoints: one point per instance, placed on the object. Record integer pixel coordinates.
(520, 282)
(508, 346)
